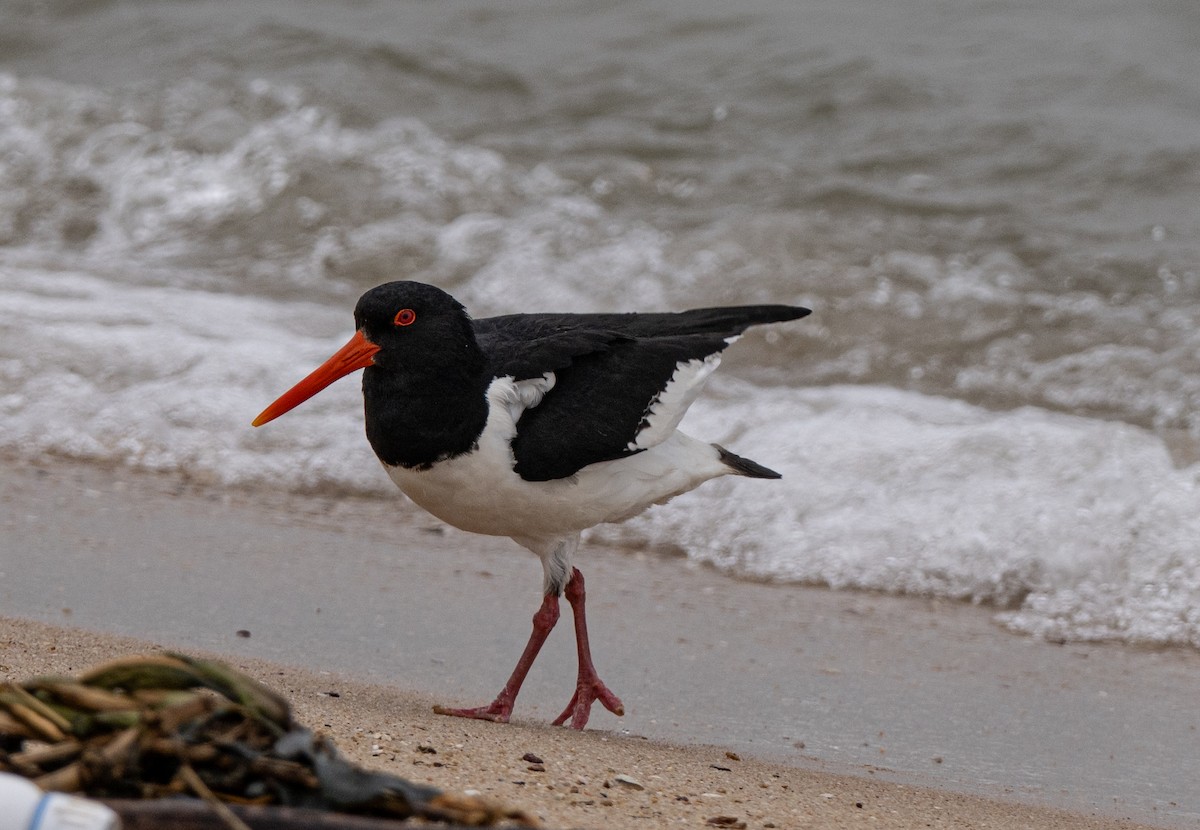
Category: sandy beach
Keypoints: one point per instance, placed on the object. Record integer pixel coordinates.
(589, 779)
(622, 773)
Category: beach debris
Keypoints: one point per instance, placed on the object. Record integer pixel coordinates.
(726, 821)
(162, 726)
(629, 781)
(23, 805)
(530, 758)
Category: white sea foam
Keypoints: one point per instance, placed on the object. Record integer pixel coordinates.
(1074, 527)
(169, 379)
(246, 185)
(1078, 528)
(142, 239)
(284, 198)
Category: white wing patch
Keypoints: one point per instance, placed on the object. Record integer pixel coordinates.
(520, 395)
(668, 408)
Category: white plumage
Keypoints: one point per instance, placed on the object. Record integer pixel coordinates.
(480, 491)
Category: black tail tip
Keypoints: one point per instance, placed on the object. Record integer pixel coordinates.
(744, 466)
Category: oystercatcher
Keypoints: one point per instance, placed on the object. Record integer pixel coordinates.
(536, 427)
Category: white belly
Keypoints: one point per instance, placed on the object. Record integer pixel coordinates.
(480, 492)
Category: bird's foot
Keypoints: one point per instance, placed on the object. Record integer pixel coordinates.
(588, 690)
(498, 711)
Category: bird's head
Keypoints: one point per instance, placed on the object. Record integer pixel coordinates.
(397, 325)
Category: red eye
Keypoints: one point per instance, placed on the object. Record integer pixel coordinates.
(405, 317)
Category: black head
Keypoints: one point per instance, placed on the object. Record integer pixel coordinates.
(425, 388)
(418, 328)
(412, 339)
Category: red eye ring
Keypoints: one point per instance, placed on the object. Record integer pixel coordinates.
(405, 317)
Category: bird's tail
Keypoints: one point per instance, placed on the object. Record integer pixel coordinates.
(744, 466)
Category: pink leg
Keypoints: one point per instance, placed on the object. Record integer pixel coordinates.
(589, 687)
(501, 708)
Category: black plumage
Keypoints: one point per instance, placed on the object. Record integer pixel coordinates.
(425, 399)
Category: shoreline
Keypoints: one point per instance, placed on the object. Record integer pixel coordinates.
(889, 702)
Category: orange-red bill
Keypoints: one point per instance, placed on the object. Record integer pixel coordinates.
(357, 354)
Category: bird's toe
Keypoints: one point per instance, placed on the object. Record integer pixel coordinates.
(580, 707)
(494, 713)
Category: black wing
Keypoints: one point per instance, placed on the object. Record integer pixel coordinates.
(610, 369)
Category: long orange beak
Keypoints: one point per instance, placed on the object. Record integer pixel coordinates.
(357, 354)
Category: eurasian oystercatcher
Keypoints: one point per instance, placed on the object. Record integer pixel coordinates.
(536, 427)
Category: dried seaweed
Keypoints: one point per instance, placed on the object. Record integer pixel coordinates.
(166, 725)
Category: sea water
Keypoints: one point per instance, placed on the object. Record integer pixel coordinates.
(992, 207)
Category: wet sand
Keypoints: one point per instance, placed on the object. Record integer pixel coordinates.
(782, 707)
